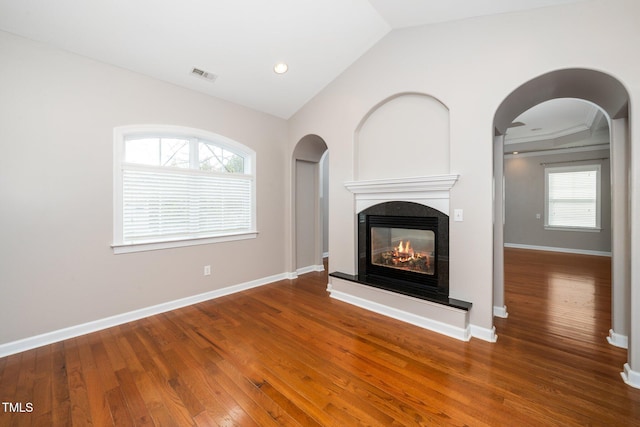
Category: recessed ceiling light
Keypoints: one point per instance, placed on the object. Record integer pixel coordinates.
(280, 68)
(515, 152)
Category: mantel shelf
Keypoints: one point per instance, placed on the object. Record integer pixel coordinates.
(395, 185)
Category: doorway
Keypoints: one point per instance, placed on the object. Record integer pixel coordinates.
(310, 204)
(608, 93)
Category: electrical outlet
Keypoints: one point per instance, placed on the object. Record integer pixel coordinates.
(207, 270)
(538, 216)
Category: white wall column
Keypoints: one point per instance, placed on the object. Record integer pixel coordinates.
(499, 307)
(631, 373)
(620, 234)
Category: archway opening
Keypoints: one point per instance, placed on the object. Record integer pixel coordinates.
(612, 98)
(310, 166)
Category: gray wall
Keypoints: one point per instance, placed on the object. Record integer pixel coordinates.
(307, 211)
(524, 198)
(324, 202)
(57, 115)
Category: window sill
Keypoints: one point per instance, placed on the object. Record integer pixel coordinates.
(153, 246)
(586, 230)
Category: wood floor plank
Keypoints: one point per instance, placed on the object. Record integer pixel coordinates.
(104, 366)
(61, 413)
(287, 354)
(159, 412)
(118, 407)
(132, 397)
(98, 406)
(42, 387)
(9, 383)
(78, 394)
(172, 402)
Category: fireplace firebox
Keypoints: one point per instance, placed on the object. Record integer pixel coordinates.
(404, 247)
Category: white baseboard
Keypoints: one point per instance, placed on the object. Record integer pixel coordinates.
(500, 311)
(631, 377)
(618, 340)
(97, 325)
(484, 333)
(423, 322)
(553, 249)
(325, 255)
(310, 269)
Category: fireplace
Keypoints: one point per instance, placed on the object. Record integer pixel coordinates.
(404, 247)
(402, 258)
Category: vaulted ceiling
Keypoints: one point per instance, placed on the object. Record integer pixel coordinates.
(237, 42)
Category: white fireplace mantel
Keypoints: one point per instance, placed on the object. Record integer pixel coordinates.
(432, 191)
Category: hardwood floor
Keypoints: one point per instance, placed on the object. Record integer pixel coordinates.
(287, 354)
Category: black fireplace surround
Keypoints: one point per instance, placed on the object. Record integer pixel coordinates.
(385, 262)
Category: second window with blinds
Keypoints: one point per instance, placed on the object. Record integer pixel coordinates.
(572, 198)
(178, 186)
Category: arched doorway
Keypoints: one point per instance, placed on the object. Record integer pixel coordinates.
(310, 208)
(611, 96)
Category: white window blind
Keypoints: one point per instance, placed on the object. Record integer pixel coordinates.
(573, 197)
(170, 205)
(174, 186)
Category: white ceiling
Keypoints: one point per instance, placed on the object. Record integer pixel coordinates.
(237, 40)
(408, 13)
(558, 124)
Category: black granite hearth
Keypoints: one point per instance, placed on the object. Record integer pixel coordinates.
(391, 285)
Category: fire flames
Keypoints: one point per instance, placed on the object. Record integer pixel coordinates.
(404, 253)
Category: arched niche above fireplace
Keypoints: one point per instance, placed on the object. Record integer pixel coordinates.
(403, 135)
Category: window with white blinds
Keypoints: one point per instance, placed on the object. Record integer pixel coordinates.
(572, 197)
(179, 186)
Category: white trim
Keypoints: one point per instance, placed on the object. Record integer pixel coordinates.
(554, 249)
(484, 333)
(325, 255)
(432, 191)
(618, 340)
(581, 229)
(152, 246)
(630, 376)
(500, 311)
(423, 322)
(309, 269)
(554, 151)
(393, 185)
(108, 322)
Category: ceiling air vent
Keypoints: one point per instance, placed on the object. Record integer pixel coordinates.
(203, 74)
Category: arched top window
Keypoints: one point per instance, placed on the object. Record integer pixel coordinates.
(178, 186)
